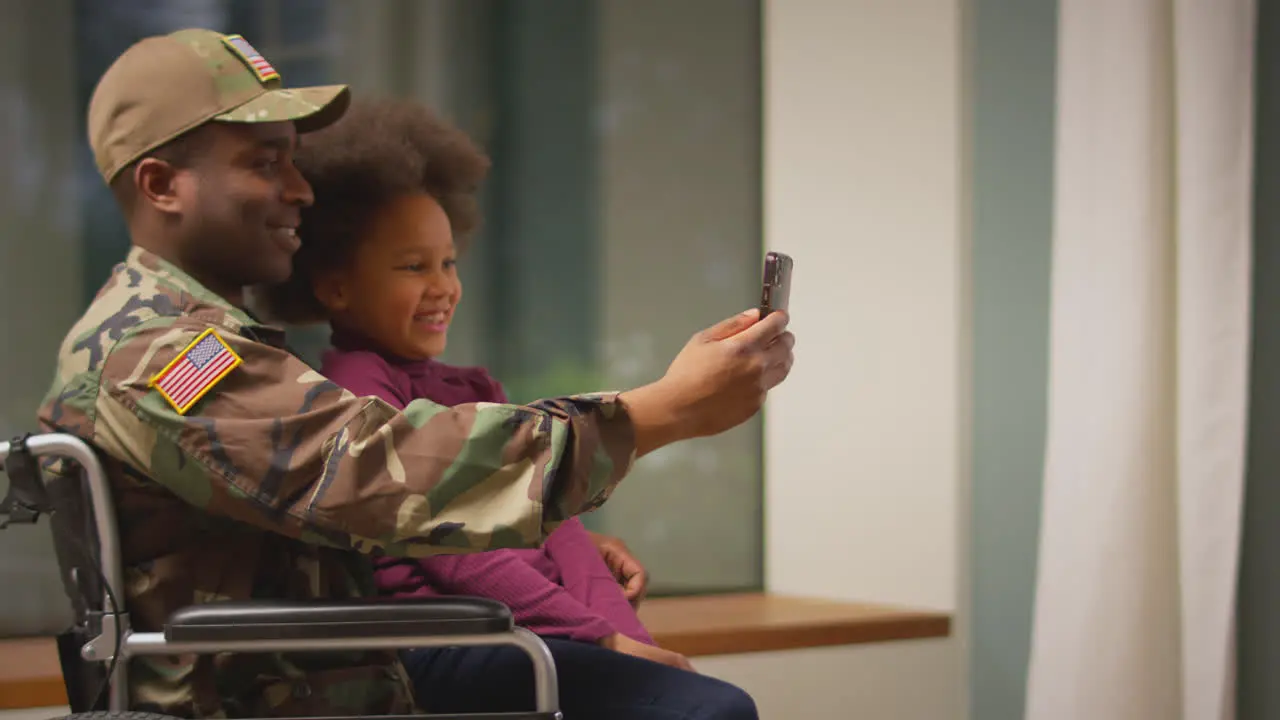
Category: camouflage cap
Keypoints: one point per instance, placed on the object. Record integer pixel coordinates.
(163, 86)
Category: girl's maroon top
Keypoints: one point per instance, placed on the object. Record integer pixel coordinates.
(562, 589)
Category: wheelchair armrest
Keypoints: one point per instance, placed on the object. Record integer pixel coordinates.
(318, 619)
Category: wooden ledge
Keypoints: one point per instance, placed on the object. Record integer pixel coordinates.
(756, 622)
(30, 675)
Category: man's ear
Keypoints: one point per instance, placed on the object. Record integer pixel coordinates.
(157, 184)
(330, 288)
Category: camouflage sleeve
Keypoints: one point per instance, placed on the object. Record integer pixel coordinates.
(275, 444)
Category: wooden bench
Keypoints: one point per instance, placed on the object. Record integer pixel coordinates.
(694, 626)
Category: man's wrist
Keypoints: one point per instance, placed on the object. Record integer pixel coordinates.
(654, 417)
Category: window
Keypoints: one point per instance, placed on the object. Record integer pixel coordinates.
(622, 215)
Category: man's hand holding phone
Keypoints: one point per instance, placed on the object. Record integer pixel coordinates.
(717, 381)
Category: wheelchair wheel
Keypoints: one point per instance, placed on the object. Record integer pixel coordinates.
(122, 715)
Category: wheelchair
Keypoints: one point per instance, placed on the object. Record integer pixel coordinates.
(95, 651)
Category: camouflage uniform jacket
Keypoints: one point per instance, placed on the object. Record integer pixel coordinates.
(278, 483)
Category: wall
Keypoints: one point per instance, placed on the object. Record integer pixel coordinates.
(866, 446)
(863, 186)
(1014, 61)
(895, 681)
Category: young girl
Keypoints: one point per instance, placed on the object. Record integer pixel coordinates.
(395, 196)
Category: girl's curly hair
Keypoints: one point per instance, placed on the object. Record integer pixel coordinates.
(379, 151)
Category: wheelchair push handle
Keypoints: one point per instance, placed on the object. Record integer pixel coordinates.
(28, 497)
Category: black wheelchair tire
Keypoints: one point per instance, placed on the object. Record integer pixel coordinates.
(120, 715)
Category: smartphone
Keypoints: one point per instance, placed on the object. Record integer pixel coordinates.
(776, 288)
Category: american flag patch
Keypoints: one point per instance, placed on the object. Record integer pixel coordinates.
(256, 62)
(195, 371)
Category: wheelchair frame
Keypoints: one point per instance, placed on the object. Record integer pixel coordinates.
(254, 626)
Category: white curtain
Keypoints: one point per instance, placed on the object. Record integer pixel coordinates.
(1149, 347)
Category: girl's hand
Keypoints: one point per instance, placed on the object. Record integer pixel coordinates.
(631, 575)
(626, 645)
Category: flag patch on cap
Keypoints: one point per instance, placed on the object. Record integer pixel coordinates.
(200, 366)
(251, 57)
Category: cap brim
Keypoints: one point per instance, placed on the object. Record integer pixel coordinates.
(310, 108)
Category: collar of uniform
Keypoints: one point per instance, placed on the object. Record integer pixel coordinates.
(198, 300)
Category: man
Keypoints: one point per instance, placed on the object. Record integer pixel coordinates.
(238, 471)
